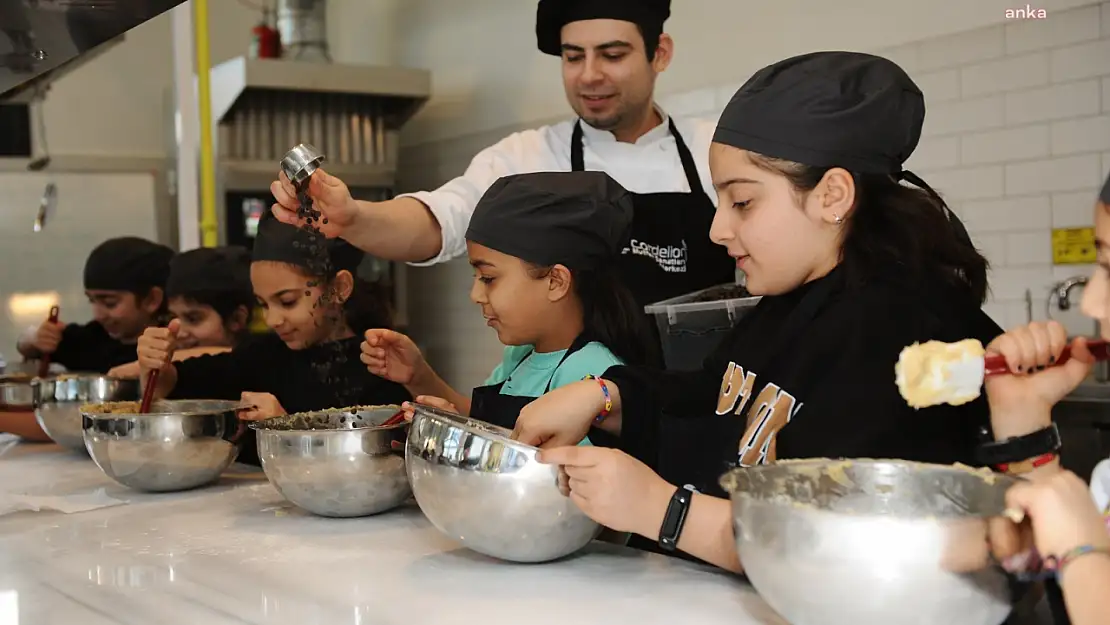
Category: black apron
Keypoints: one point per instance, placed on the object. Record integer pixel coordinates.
(709, 443)
(669, 230)
(489, 405)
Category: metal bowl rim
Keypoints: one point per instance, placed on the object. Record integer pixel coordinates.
(260, 426)
(460, 422)
(231, 406)
(727, 483)
(38, 381)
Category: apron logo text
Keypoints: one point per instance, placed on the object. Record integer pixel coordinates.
(670, 258)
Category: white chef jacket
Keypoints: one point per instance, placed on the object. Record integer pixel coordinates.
(650, 165)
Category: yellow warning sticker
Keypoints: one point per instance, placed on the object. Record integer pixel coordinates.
(1073, 246)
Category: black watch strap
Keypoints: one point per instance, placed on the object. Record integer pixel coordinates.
(675, 517)
(1019, 448)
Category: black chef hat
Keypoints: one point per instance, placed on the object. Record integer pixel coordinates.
(127, 264)
(1104, 197)
(210, 270)
(552, 15)
(831, 109)
(316, 254)
(579, 219)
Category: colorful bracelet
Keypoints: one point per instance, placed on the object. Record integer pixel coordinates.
(608, 399)
(1025, 466)
(1057, 563)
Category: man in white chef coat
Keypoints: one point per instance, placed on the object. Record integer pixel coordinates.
(612, 52)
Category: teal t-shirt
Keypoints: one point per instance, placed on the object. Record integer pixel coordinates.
(526, 373)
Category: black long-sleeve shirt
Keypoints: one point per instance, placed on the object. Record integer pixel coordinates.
(829, 391)
(324, 376)
(89, 349)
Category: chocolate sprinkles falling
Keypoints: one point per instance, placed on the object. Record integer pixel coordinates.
(329, 360)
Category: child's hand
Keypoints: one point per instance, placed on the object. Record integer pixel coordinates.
(156, 347)
(1063, 514)
(392, 355)
(263, 406)
(1022, 402)
(428, 400)
(130, 371)
(48, 336)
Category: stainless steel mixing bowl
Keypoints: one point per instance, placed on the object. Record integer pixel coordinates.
(179, 445)
(489, 492)
(863, 542)
(58, 402)
(16, 394)
(336, 463)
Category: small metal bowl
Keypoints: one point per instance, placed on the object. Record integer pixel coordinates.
(179, 445)
(16, 394)
(58, 402)
(338, 462)
(871, 542)
(489, 492)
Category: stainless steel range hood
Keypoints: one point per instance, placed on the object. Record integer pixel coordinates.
(41, 40)
(353, 113)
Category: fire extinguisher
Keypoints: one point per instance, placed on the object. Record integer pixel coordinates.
(265, 39)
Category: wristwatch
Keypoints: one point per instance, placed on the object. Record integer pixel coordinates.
(1020, 448)
(675, 518)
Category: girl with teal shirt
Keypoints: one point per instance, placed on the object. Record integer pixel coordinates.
(544, 247)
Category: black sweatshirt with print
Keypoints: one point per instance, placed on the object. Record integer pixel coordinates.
(324, 376)
(827, 390)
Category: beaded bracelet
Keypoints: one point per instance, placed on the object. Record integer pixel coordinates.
(608, 399)
(1057, 563)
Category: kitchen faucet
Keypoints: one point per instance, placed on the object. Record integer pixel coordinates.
(1062, 292)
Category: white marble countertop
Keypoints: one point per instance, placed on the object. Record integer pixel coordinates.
(237, 553)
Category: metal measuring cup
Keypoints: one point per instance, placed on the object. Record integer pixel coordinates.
(300, 163)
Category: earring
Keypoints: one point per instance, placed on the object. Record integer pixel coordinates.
(837, 219)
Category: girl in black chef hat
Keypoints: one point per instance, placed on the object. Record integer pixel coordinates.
(853, 265)
(317, 308)
(125, 281)
(209, 293)
(544, 248)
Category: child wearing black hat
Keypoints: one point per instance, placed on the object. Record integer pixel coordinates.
(125, 280)
(544, 248)
(209, 293)
(317, 308)
(853, 266)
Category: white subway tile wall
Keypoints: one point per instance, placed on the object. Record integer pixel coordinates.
(1017, 138)
(90, 209)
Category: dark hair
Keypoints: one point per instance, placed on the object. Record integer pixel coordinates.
(161, 316)
(367, 307)
(225, 303)
(610, 314)
(893, 226)
(651, 36)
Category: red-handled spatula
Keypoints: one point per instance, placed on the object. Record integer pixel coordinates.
(44, 362)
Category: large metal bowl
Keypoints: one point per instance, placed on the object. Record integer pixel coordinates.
(16, 394)
(489, 492)
(58, 402)
(336, 463)
(861, 542)
(179, 445)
